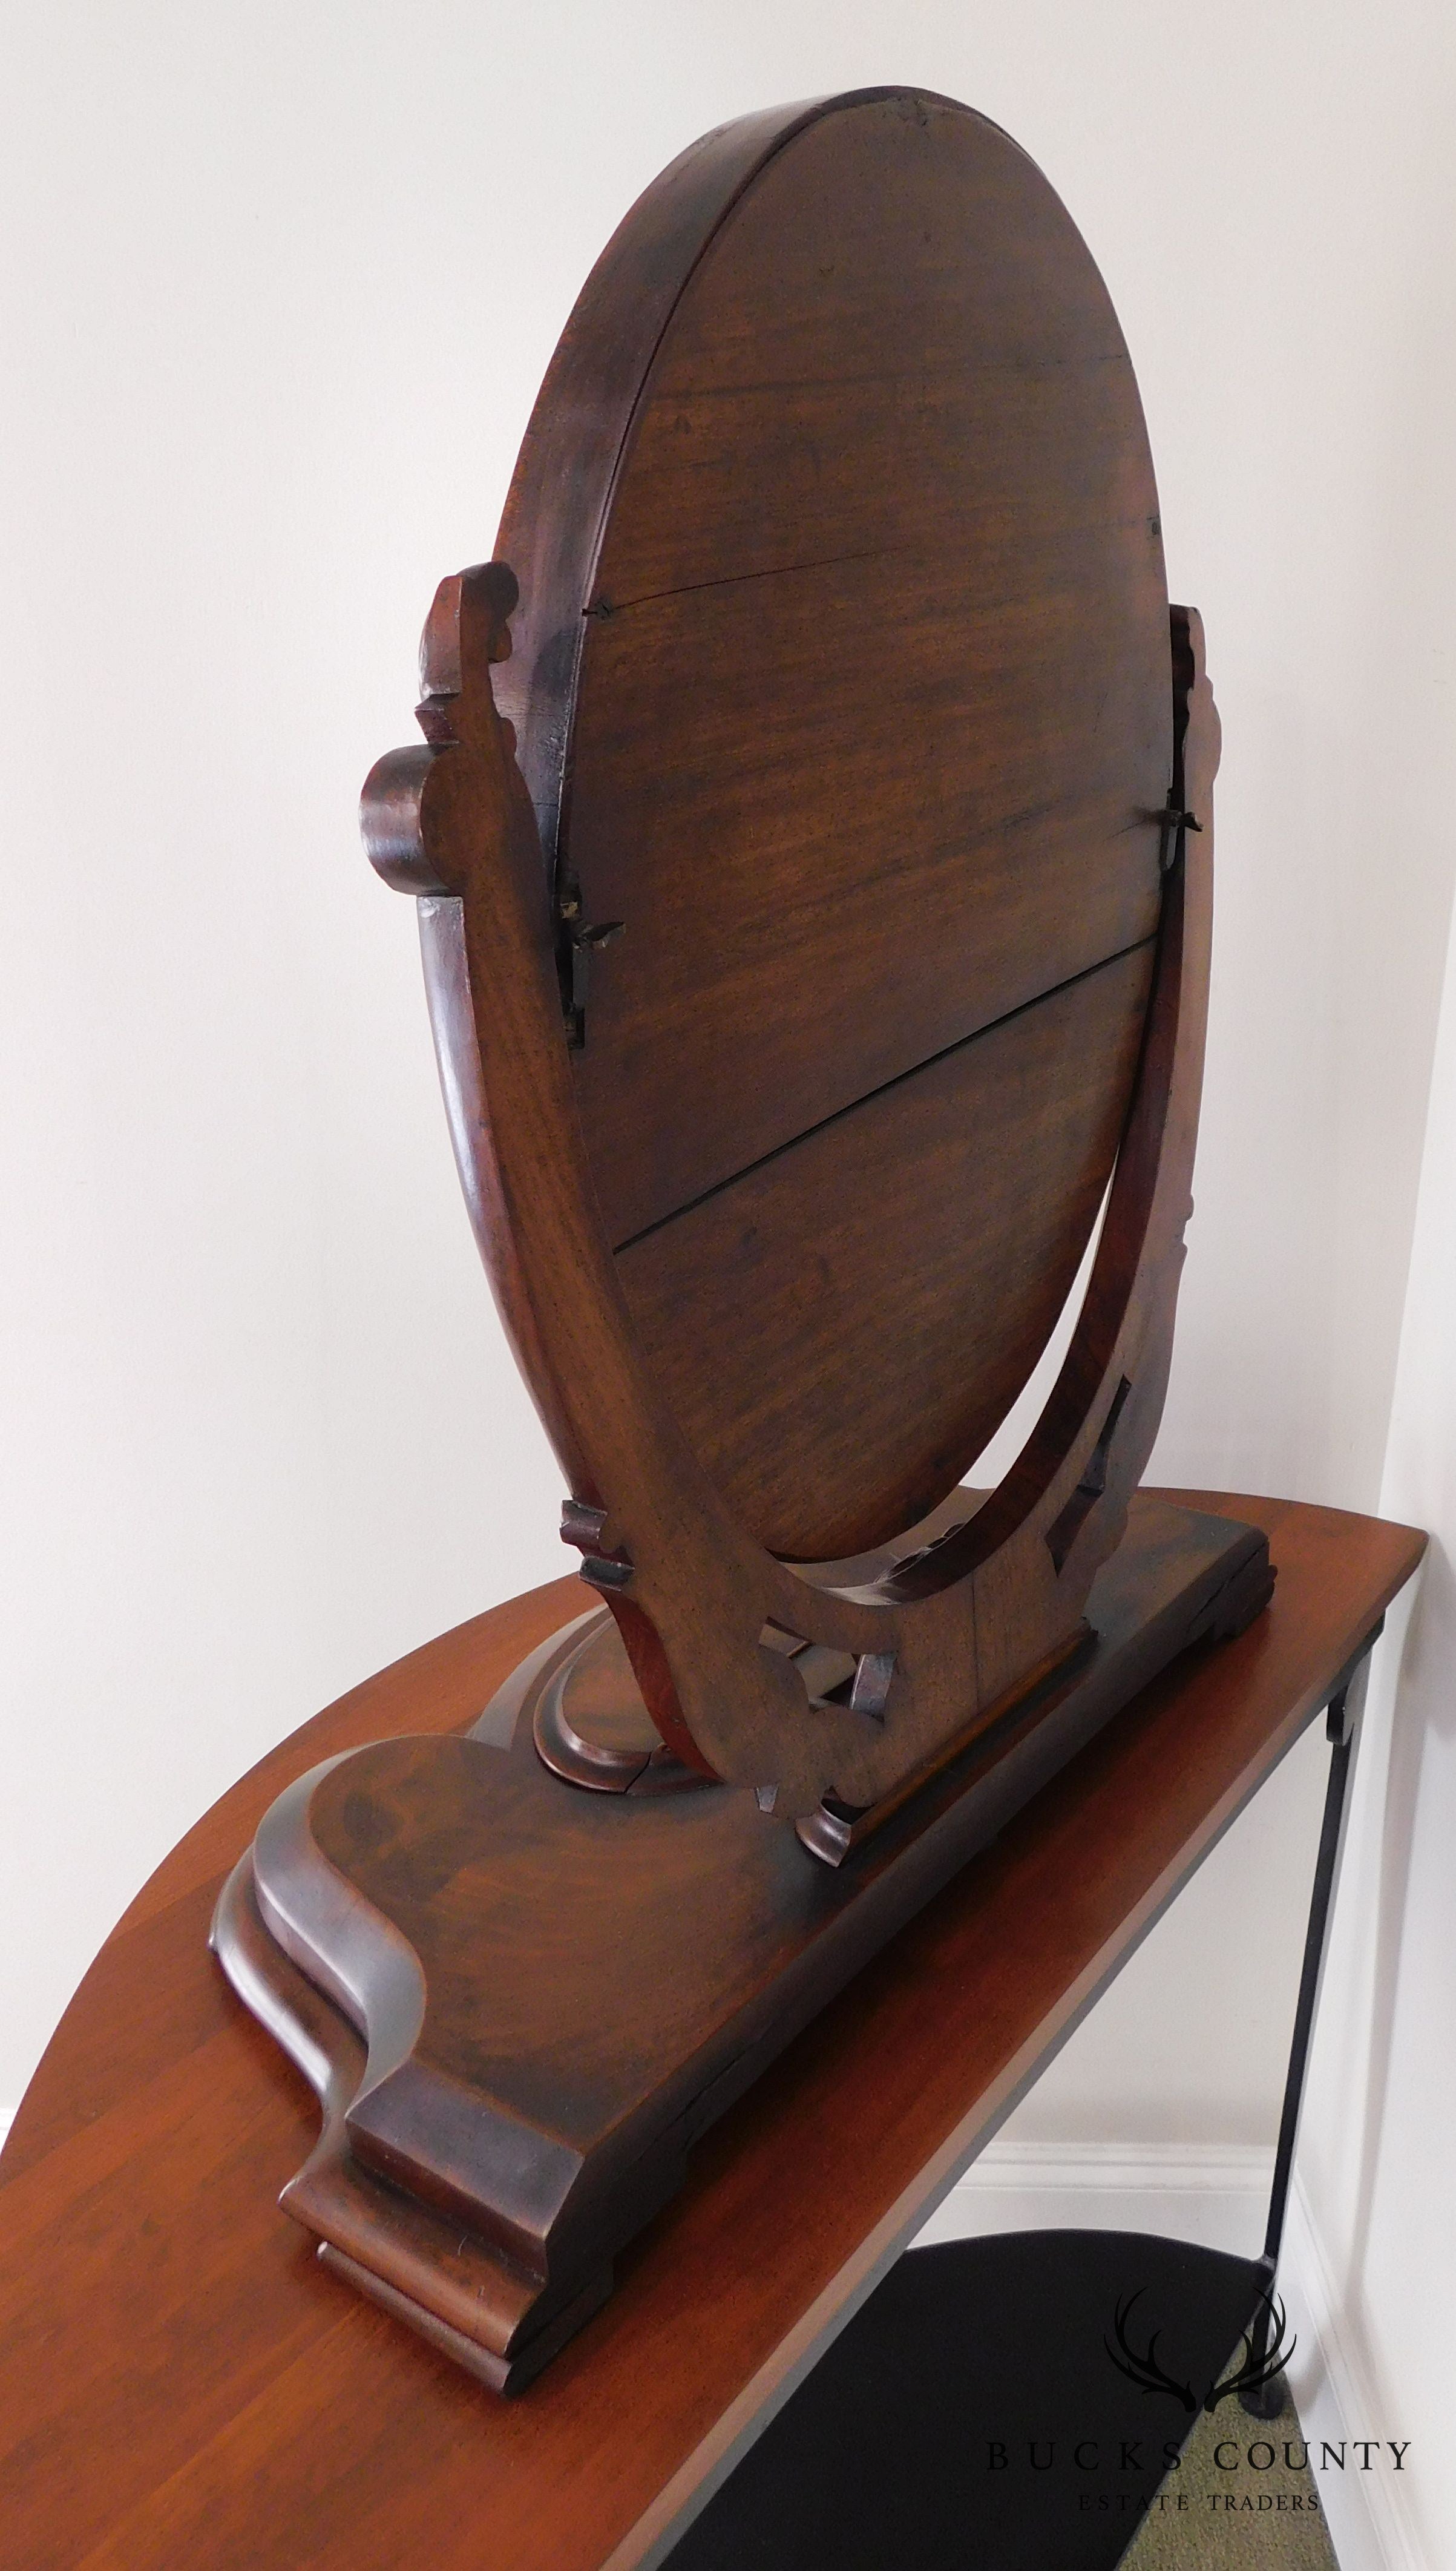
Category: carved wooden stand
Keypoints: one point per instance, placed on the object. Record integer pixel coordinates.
(559, 1991)
(526, 1966)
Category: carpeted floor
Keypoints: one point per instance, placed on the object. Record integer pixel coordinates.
(1220, 2508)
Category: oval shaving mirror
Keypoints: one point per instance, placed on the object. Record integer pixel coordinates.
(812, 838)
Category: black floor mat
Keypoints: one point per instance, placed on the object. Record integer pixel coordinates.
(971, 2418)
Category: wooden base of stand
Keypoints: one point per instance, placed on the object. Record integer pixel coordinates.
(521, 2002)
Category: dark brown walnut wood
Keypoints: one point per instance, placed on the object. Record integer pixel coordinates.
(854, 714)
(181, 2382)
(870, 713)
(883, 1286)
(695, 1410)
(560, 1992)
(865, 842)
(591, 1727)
(817, 934)
(691, 1586)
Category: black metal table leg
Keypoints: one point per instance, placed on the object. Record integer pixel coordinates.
(1342, 1727)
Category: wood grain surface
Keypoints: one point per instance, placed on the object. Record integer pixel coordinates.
(841, 684)
(880, 1289)
(180, 2384)
(778, 1229)
(871, 709)
(689, 1584)
(562, 1991)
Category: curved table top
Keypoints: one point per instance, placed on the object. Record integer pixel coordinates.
(180, 2382)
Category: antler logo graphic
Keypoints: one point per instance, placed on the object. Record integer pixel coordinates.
(1262, 2352)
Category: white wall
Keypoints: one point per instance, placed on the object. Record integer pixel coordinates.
(1376, 2152)
(280, 284)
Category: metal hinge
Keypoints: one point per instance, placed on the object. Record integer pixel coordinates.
(577, 941)
(1174, 822)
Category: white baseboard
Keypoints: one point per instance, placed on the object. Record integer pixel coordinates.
(1371, 2524)
(1213, 2194)
(1216, 2195)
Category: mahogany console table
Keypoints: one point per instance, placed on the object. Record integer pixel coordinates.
(181, 2382)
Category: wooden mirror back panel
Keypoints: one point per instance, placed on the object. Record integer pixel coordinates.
(843, 685)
